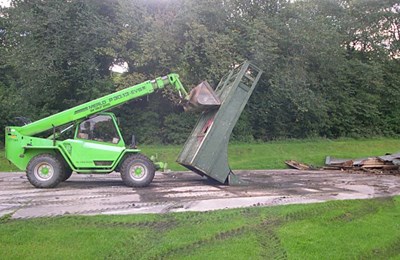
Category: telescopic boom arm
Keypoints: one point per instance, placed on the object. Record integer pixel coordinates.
(104, 103)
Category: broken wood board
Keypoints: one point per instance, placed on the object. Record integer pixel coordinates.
(386, 162)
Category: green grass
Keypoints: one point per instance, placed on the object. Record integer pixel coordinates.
(5, 165)
(272, 155)
(360, 229)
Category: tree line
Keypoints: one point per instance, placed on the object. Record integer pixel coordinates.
(331, 67)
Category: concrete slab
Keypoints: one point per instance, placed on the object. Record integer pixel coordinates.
(186, 191)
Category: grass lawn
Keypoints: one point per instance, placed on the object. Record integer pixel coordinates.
(6, 166)
(272, 155)
(360, 229)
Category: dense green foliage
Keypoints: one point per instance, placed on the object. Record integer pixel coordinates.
(358, 229)
(331, 66)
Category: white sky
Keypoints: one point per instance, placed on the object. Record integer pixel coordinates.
(5, 3)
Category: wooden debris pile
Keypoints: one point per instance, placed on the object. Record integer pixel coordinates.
(299, 166)
(386, 162)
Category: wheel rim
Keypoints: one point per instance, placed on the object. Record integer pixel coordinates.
(138, 171)
(44, 171)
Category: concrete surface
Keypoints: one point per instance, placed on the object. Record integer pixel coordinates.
(186, 191)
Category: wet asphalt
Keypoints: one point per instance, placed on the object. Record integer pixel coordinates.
(93, 194)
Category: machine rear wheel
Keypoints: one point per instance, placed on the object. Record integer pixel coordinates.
(137, 171)
(45, 171)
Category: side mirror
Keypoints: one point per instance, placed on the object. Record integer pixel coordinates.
(133, 142)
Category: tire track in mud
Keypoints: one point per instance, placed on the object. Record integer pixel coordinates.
(157, 228)
(86, 221)
(366, 208)
(25, 203)
(265, 227)
(76, 212)
(269, 241)
(32, 202)
(197, 218)
(186, 249)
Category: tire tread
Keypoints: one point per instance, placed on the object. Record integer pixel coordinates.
(58, 171)
(125, 170)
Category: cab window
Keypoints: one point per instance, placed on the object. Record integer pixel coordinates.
(100, 128)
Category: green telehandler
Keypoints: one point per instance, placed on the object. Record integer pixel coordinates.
(86, 139)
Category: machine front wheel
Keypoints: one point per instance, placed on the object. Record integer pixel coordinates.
(67, 173)
(44, 171)
(137, 170)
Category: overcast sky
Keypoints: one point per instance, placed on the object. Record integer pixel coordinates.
(5, 3)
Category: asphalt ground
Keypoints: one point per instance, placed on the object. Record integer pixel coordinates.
(185, 191)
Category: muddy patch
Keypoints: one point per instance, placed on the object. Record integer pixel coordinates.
(186, 191)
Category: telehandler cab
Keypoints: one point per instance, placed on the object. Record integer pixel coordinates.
(96, 145)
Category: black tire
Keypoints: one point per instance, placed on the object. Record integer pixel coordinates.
(45, 171)
(137, 170)
(67, 173)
